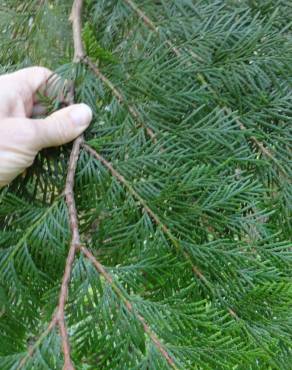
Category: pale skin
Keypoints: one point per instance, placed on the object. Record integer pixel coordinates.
(22, 135)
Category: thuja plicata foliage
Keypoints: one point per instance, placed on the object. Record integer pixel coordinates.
(162, 238)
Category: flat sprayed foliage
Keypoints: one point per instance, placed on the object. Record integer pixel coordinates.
(182, 189)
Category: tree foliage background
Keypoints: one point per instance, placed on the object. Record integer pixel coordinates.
(184, 198)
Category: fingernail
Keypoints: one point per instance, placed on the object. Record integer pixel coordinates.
(81, 114)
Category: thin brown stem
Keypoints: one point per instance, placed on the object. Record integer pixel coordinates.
(100, 268)
(75, 241)
(75, 18)
(148, 210)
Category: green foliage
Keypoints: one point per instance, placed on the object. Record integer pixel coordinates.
(93, 49)
(210, 267)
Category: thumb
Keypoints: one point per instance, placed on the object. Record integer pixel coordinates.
(63, 126)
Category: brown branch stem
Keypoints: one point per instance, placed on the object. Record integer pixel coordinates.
(75, 241)
(75, 18)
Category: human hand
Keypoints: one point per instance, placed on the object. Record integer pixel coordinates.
(21, 136)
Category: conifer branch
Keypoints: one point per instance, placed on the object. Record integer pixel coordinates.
(33, 348)
(142, 15)
(150, 24)
(100, 268)
(27, 234)
(148, 210)
(240, 311)
(120, 98)
(59, 315)
(265, 151)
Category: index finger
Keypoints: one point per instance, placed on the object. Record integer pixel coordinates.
(35, 83)
(32, 78)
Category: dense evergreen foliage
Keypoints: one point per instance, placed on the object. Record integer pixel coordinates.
(183, 189)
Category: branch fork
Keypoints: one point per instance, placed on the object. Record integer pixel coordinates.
(58, 318)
